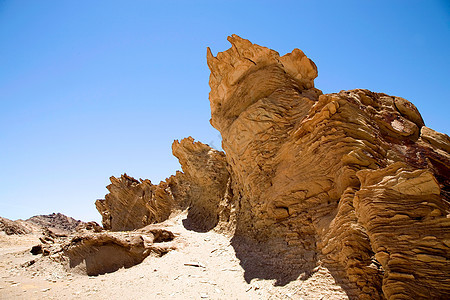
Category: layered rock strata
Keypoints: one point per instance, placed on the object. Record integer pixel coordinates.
(99, 253)
(353, 179)
(201, 188)
(133, 204)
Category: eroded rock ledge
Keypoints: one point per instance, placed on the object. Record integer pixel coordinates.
(353, 181)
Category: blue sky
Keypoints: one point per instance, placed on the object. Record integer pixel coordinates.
(90, 89)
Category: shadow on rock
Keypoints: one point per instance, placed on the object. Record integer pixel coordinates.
(199, 221)
(99, 253)
(273, 261)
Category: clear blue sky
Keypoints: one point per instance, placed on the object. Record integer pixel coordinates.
(90, 89)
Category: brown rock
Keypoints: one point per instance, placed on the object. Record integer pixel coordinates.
(99, 253)
(298, 162)
(351, 181)
(56, 222)
(13, 227)
(407, 224)
(133, 204)
(205, 173)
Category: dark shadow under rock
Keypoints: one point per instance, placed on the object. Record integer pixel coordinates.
(99, 253)
(273, 261)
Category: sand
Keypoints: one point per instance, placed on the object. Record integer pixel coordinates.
(204, 266)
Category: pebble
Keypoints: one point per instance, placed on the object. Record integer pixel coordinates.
(204, 296)
(45, 290)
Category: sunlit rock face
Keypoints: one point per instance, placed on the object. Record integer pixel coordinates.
(201, 188)
(133, 203)
(351, 180)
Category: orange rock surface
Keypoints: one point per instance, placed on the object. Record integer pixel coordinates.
(353, 182)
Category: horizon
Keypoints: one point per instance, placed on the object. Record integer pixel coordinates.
(93, 90)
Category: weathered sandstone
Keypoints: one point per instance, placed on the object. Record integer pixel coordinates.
(201, 187)
(353, 182)
(133, 204)
(207, 183)
(106, 252)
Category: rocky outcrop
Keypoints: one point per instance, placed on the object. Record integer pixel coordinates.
(56, 222)
(133, 204)
(405, 218)
(201, 188)
(99, 253)
(10, 227)
(207, 181)
(353, 180)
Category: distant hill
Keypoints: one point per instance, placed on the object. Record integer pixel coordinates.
(56, 222)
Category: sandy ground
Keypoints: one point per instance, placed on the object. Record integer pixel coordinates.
(203, 267)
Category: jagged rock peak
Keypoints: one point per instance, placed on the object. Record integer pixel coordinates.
(247, 72)
(133, 204)
(244, 56)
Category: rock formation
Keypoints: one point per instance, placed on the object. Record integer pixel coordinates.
(133, 204)
(353, 181)
(99, 253)
(207, 182)
(13, 227)
(56, 222)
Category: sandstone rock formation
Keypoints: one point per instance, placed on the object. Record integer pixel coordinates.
(100, 253)
(207, 184)
(132, 204)
(352, 181)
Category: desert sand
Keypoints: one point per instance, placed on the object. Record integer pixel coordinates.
(203, 266)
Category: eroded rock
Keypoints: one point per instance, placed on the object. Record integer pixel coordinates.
(13, 227)
(201, 187)
(133, 204)
(99, 253)
(350, 181)
(297, 160)
(208, 181)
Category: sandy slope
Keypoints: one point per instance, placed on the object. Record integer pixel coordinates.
(218, 274)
